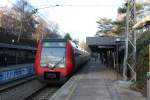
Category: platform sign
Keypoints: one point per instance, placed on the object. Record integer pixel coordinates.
(17, 73)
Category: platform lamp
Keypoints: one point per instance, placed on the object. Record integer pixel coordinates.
(13, 40)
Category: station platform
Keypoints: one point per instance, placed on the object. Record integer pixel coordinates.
(95, 82)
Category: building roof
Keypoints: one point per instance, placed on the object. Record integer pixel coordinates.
(103, 43)
(103, 40)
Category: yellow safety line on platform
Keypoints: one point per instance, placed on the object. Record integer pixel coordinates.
(73, 89)
(71, 92)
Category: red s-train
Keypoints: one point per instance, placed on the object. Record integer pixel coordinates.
(57, 59)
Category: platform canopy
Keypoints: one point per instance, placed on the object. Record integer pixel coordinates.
(97, 44)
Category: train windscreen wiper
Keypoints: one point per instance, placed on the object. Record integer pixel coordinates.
(58, 62)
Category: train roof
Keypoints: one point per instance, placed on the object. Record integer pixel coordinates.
(13, 46)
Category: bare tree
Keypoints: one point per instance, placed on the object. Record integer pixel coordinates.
(27, 21)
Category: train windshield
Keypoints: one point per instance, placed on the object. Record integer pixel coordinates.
(53, 54)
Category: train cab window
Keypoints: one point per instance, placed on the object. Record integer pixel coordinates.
(53, 54)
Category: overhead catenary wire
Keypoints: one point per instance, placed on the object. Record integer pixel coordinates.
(38, 13)
(77, 5)
(15, 5)
(22, 14)
(48, 6)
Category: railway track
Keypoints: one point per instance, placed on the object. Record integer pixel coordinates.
(16, 83)
(43, 94)
(21, 89)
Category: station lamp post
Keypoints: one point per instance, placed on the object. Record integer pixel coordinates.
(13, 40)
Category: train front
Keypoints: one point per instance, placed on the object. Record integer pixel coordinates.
(50, 61)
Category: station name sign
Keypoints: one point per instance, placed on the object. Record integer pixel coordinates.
(17, 73)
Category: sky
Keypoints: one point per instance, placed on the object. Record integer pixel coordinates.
(79, 18)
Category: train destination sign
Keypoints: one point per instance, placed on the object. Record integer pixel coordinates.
(53, 44)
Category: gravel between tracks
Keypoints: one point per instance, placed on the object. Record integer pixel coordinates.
(44, 94)
(22, 91)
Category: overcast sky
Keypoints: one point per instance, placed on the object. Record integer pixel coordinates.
(78, 19)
